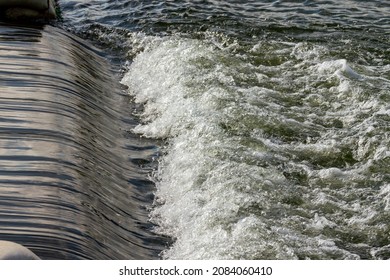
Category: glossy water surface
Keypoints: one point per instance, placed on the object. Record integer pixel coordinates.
(70, 182)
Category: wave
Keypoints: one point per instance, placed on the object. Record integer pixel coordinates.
(273, 149)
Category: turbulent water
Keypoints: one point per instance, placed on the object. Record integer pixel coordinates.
(270, 120)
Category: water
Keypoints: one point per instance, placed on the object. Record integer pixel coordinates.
(269, 120)
(71, 186)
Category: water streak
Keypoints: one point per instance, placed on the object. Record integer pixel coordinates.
(70, 182)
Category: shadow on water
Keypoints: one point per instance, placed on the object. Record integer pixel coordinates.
(71, 185)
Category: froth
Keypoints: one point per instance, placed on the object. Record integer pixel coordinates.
(270, 149)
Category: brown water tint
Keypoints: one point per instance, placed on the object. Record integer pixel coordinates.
(71, 181)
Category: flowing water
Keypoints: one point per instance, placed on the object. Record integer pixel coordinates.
(264, 126)
(71, 185)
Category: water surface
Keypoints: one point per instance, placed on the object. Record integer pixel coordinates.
(268, 122)
(71, 185)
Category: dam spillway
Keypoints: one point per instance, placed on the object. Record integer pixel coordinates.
(70, 185)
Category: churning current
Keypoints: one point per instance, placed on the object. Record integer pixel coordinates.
(269, 122)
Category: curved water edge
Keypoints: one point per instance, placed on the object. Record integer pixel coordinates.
(274, 116)
(70, 176)
(14, 251)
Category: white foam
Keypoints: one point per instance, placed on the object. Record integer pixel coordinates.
(223, 189)
(338, 68)
(320, 223)
(385, 192)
